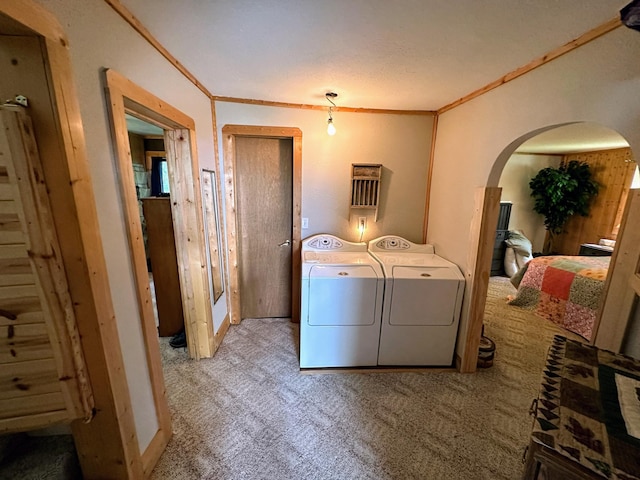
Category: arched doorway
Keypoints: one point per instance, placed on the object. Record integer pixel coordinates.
(560, 140)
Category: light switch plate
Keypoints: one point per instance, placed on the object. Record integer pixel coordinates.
(305, 222)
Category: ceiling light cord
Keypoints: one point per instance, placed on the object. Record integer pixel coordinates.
(331, 128)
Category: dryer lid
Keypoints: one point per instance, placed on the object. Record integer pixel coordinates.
(425, 273)
(342, 271)
(412, 259)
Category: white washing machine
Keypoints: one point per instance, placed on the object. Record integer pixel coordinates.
(422, 301)
(341, 307)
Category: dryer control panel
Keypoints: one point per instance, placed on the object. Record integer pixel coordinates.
(398, 244)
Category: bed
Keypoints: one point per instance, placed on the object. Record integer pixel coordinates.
(563, 289)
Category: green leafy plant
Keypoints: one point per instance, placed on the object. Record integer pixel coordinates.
(560, 193)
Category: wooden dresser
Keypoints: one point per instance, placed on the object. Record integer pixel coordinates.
(164, 264)
(587, 416)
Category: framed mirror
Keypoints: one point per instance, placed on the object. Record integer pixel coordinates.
(212, 231)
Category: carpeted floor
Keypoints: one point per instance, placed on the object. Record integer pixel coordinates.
(248, 413)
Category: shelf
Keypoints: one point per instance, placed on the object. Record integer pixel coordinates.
(365, 187)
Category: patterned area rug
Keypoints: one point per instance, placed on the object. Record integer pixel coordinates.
(248, 413)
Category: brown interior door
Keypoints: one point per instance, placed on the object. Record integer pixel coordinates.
(264, 201)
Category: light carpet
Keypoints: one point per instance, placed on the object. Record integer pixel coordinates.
(249, 413)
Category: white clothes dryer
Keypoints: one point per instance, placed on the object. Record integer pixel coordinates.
(422, 302)
(341, 304)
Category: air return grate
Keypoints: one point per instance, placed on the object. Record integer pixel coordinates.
(365, 187)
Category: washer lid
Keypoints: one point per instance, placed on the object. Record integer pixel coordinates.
(345, 272)
(425, 273)
(338, 258)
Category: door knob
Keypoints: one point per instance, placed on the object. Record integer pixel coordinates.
(286, 243)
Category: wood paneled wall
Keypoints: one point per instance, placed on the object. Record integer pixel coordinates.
(613, 170)
(136, 144)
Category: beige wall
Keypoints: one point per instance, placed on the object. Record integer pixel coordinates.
(598, 82)
(400, 142)
(99, 38)
(514, 181)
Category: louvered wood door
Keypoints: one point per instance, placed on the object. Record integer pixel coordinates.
(42, 371)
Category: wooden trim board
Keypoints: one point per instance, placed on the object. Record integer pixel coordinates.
(483, 228)
(619, 293)
(36, 18)
(583, 39)
(131, 19)
(229, 133)
(427, 202)
(225, 258)
(269, 103)
(153, 452)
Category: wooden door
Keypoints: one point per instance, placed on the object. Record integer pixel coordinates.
(264, 200)
(43, 378)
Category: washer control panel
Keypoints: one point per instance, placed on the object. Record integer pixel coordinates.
(325, 242)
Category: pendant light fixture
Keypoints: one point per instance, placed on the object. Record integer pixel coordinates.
(331, 128)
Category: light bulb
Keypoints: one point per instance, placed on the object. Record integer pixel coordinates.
(331, 128)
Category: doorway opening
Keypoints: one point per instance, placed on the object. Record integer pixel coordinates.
(599, 235)
(153, 189)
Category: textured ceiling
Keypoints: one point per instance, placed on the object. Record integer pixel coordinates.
(397, 54)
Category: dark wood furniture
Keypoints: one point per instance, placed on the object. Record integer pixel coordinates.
(582, 427)
(594, 250)
(499, 247)
(164, 264)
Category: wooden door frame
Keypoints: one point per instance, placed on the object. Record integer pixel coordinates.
(107, 446)
(186, 207)
(229, 134)
(483, 233)
(623, 281)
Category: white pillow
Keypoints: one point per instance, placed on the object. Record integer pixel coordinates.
(510, 262)
(517, 240)
(521, 260)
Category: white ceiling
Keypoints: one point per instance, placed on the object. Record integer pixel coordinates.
(140, 127)
(400, 54)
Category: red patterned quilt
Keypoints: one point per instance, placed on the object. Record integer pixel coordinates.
(565, 290)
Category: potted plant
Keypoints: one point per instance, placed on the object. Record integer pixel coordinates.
(560, 193)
